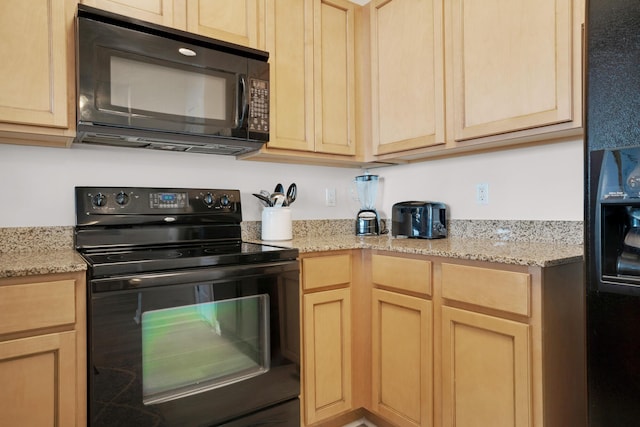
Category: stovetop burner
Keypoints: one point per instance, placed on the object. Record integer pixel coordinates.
(114, 262)
(125, 231)
(142, 255)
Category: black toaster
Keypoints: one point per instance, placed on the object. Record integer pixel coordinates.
(424, 220)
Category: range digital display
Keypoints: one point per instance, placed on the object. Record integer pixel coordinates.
(168, 200)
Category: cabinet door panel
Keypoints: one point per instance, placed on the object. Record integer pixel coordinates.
(486, 376)
(155, 11)
(334, 34)
(41, 373)
(407, 74)
(235, 21)
(327, 353)
(402, 358)
(289, 38)
(35, 62)
(512, 65)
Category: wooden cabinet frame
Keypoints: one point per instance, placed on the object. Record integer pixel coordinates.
(479, 349)
(327, 332)
(539, 98)
(400, 392)
(327, 353)
(46, 352)
(527, 322)
(38, 106)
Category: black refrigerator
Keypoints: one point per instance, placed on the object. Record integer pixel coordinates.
(612, 211)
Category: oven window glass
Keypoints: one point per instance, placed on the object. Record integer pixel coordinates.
(195, 348)
(138, 86)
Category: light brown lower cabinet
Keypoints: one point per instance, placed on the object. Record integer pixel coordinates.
(327, 332)
(512, 345)
(442, 342)
(485, 369)
(39, 375)
(326, 336)
(402, 358)
(43, 351)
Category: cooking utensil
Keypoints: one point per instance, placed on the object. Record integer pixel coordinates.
(265, 193)
(279, 188)
(292, 193)
(265, 200)
(277, 200)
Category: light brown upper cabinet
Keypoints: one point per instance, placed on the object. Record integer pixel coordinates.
(407, 83)
(37, 74)
(464, 75)
(234, 21)
(311, 47)
(162, 12)
(512, 65)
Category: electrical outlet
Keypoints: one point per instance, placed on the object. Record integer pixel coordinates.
(482, 194)
(330, 196)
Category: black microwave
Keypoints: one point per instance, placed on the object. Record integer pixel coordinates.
(148, 86)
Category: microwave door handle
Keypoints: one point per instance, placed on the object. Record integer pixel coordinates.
(243, 104)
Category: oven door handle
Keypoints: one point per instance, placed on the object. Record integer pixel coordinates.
(209, 275)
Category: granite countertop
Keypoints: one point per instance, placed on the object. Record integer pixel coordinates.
(506, 252)
(45, 250)
(26, 251)
(13, 264)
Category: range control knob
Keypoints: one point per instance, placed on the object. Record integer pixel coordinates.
(208, 199)
(99, 200)
(122, 198)
(224, 200)
(634, 181)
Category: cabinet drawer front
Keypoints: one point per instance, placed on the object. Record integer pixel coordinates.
(501, 290)
(406, 274)
(324, 271)
(36, 305)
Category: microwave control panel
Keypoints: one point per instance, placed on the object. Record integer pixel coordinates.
(259, 105)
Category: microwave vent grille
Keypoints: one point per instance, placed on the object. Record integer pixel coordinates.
(219, 149)
(206, 146)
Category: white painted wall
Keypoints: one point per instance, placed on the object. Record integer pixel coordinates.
(545, 182)
(534, 183)
(36, 183)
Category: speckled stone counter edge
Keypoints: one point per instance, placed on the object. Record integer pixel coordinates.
(35, 239)
(43, 239)
(42, 250)
(560, 232)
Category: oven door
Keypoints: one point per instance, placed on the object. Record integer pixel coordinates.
(200, 347)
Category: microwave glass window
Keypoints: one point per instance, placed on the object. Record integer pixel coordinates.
(195, 348)
(141, 86)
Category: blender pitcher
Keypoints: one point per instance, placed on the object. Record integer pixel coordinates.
(367, 220)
